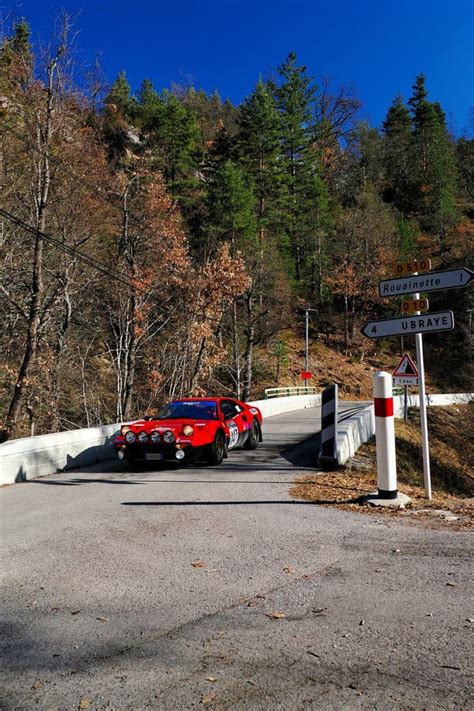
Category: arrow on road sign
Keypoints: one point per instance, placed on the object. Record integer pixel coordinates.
(425, 323)
(432, 281)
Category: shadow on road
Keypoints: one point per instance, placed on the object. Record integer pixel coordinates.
(263, 502)
(75, 482)
(268, 458)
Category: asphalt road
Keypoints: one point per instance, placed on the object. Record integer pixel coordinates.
(156, 589)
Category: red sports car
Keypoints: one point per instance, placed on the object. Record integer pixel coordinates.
(190, 429)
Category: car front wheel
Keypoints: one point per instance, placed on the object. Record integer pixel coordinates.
(217, 450)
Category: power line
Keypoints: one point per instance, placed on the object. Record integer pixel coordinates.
(84, 258)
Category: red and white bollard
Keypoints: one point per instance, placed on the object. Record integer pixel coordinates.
(385, 436)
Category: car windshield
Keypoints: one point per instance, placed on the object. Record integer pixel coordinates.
(192, 410)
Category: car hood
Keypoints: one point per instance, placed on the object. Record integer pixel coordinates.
(174, 425)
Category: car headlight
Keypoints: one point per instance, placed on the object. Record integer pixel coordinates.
(143, 437)
(124, 429)
(155, 436)
(188, 430)
(130, 437)
(168, 436)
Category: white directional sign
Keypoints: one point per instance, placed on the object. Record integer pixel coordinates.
(432, 281)
(425, 323)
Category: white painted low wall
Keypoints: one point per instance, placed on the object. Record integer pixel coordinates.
(431, 401)
(353, 432)
(278, 405)
(359, 428)
(32, 457)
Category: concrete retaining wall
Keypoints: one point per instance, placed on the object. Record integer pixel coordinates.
(431, 401)
(359, 428)
(353, 432)
(278, 405)
(32, 457)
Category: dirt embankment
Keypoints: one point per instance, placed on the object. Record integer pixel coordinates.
(452, 471)
(327, 362)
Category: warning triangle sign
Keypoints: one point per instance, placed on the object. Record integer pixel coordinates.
(406, 367)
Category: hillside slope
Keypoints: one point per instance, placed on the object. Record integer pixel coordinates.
(327, 363)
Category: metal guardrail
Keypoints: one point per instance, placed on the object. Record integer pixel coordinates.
(286, 392)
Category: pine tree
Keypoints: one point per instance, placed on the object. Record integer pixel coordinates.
(120, 96)
(174, 137)
(231, 208)
(258, 146)
(294, 100)
(465, 163)
(420, 93)
(16, 57)
(148, 102)
(434, 170)
(396, 154)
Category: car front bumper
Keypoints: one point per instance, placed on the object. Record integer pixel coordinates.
(157, 452)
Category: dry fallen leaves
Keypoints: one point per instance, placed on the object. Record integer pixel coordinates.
(84, 703)
(275, 615)
(208, 698)
(38, 684)
(198, 564)
(75, 612)
(289, 569)
(103, 619)
(211, 678)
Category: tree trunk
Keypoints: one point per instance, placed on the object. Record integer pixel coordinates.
(248, 356)
(346, 322)
(236, 352)
(128, 340)
(43, 140)
(131, 356)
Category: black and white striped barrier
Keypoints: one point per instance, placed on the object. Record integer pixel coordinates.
(327, 458)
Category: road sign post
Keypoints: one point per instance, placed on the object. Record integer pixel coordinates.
(425, 446)
(417, 324)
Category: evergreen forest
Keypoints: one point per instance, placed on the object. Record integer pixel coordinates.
(154, 240)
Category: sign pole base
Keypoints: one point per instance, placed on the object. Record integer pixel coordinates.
(375, 499)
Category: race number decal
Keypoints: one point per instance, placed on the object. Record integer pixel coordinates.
(233, 434)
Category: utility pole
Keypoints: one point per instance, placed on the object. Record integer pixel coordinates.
(306, 338)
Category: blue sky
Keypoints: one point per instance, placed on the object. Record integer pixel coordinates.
(378, 46)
